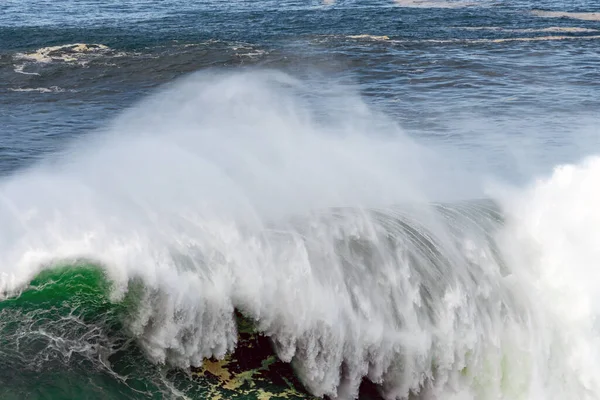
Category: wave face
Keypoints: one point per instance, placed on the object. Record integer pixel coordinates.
(261, 194)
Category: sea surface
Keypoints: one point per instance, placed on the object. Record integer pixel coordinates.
(402, 197)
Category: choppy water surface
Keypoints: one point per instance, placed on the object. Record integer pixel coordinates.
(470, 74)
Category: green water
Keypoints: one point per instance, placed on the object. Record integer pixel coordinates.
(64, 338)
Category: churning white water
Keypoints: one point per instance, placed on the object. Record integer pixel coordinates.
(315, 216)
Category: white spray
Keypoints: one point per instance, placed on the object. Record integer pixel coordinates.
(308, 212)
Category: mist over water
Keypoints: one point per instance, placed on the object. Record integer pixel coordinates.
(361, 253)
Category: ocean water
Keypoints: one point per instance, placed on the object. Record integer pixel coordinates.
(298, 199)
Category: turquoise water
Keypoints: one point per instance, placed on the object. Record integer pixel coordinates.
(62, 337)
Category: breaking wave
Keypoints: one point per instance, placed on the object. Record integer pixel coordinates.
(344, 241)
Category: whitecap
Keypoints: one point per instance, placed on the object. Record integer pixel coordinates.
(51, 89)
(19, 69)
(370, 37)
(436, 3)
(584, 16)
(67, 53)
(556, 29)
(502, 40)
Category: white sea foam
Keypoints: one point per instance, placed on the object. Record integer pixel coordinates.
(249, 51)
(584, 16)
(20, 69)
(358, 37)
(552, 234)
(70, 53)
(223, 193)
(503, 40)
(534, 39)
(437, 3)
(545, 38)
(77, 54)
(557, 29)
(51, 89)
(369, 37)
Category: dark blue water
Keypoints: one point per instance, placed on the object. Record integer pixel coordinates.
(491, 79)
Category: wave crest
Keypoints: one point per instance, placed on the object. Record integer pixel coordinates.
(260, 193)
